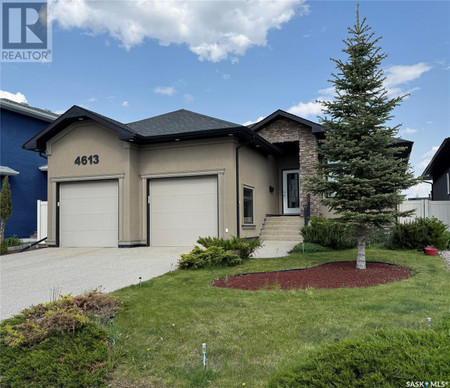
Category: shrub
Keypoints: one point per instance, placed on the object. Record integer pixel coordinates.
(420, 233)
(3, 248)
(58, 343)
(308, 248)
(13, 241)
(328, 233)
(244, 248)
(384, 359)
(210, 257)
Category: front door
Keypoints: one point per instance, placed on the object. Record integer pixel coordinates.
(291, 192)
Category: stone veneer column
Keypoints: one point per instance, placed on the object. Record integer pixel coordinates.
(284, 130)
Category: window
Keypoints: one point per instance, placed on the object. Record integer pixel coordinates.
(248, 205)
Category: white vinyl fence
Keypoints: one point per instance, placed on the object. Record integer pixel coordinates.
(427, 209)
(41, 220)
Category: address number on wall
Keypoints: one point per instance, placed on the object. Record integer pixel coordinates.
(84, 160)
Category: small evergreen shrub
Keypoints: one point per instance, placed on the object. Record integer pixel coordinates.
(13, 241)
(3, 248)
(384, 359)
(209, 257)
(244, 248)
(420, 233)
(58, 344)
(328, 233)
(308, 248)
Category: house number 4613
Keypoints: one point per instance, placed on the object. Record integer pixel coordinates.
(83, 160)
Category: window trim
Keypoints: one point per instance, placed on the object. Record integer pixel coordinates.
(244, 223)
(448, 183)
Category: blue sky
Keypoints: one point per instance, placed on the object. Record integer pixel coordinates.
(238, 61)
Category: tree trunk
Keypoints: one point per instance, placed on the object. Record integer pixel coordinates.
(2, 230)
(361, 257)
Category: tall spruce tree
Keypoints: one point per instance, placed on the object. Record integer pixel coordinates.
(5, 206)
(363, 174)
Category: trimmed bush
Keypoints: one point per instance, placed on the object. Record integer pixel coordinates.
(244, 248)
(209, 257)
(328, 233)
(58, 344)
(420, 233)
(385, 359)
(13, 241)
(3, 248)
(308, 248)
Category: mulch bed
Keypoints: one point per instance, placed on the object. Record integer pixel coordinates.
(329, 275)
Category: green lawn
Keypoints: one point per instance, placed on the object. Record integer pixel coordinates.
(252, 334)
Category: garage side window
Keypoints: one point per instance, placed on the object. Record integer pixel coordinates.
(248, 205)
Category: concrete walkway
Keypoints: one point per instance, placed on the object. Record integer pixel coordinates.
(275, 249)
(446, 256)
(39, 276)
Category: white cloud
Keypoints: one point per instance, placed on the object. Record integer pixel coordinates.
(125, 103)
(421, 190)
(92, 99)
(403, 74)
(429, 122)
(18, 97)
(313, 108)
(60, 111)
(427, 156)
(188, 98)
(254, 122)
(226, 76)
(213, 30)
(165, 90)
(407, 131)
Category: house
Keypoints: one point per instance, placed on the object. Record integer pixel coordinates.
(26, 170)
(439, 171)
(166, 180)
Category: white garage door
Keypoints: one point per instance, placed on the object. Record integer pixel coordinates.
(182, 210)
(89, 215)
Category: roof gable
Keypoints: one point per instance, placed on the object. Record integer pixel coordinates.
(440, 161)
(75, 114)
(316, 128)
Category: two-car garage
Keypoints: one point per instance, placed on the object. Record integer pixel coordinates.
(179, 211)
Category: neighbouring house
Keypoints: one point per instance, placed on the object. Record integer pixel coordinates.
(166, 180)
(27, 171)
(439, 171)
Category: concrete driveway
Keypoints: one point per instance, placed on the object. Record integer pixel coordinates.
(39, 276)
(34, 277)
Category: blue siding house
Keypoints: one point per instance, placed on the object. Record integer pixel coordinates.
(26, 170)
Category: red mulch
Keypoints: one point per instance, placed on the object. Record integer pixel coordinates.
(329, 275)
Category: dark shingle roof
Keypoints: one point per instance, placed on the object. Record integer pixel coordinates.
(179, 121)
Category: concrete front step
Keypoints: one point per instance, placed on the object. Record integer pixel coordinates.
(292, 233)
(282, 227)
(281, 238)
(283, 223)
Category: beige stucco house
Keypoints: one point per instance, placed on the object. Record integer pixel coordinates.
(166, 180)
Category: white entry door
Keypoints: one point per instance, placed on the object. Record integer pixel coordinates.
(291, 192)
(182, 210)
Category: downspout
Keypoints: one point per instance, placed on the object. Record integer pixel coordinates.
(238, 208)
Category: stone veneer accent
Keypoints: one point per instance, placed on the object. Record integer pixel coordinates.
(284, 130)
